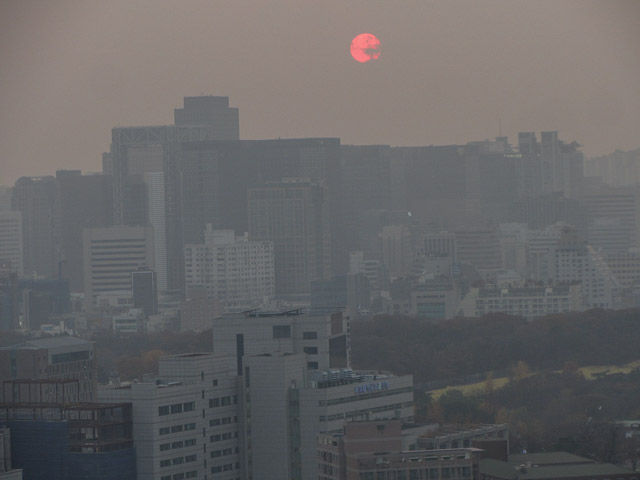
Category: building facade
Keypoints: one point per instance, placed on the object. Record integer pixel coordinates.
(111, 254)
(236, 272)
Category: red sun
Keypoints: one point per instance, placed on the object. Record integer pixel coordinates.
(365, 47)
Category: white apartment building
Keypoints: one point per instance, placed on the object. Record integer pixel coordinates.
(236, 272)
(527, 302)
(11, 240)
(185, 419)
(600, 288)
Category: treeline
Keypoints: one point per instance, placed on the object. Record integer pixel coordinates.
(466, 346)
(134, 355)
(551, 411)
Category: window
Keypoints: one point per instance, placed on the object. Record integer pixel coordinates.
(312, 365)
(178, 476)
(225, 401)
(163, 411)
(192, 474)
(165, 430)
(214, 422)
(176, 408)
(177, 461)
(189, 407)
(190, 426)
(164, 446)
(176, 428)
(177, 445)
(309, 335)
(214, 402)
(165, 463)
(310, 350)
(190, 458)
(281, 331)
(189, 443)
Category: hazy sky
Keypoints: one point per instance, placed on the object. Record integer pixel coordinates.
(449, 70)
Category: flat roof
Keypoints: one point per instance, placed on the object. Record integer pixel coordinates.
(59, 341)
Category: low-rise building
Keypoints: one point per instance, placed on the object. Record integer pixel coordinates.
(527, 302)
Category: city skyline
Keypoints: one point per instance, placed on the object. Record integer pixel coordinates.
(449, 73)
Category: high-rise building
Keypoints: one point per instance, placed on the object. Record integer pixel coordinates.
(11, 251)
(111, 254)
(185, 419)
(155, 149)
(144, 286)
(9, 298)
(234, 271)
(85, 201)
(35, 198)
(294, 216)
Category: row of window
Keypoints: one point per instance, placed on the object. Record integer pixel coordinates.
(171, 446)
(177, 428)
(178, 461)
(222, 421)
(180, 476)
(223, 401)
(176, 408)
(224, 452)
(224, 468)
(419, 474)
(223, 436)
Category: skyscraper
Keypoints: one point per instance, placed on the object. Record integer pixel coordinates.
(35, 198)
(85, 201)
(155, 149)
(294, 216)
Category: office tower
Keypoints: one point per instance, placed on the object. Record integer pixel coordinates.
(210, 110)
(294, 216)
(234, 271)
(478, 246)
(397, 252)
(9, 298)
(85, 201)
(5, 198)
(11, 251)
(144, 286)
(614, 217)
(35, 198)
(54, 358)
(110, 255)
(135, 201)
(44, 299)
(185, 419)
(216, 176)
(367, 185)
(442, 243)
(157, 219)
(156, 149)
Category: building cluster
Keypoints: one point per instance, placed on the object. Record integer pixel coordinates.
(275, 399)
(224, 224)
